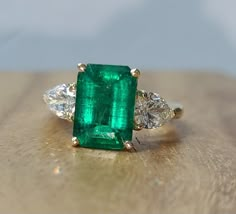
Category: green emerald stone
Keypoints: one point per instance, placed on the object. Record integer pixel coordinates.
(104, 109)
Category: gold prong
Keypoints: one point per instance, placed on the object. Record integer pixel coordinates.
(81, 67)
(137, 127)
(178, 112)
(70, 116)
(128, 145)
(135, 73)
(72, 87)
(177, 108)
(75, 141)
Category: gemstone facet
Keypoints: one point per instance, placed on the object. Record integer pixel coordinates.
(104, 109)
(151, 110)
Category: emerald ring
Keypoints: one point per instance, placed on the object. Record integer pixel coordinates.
(105, 106)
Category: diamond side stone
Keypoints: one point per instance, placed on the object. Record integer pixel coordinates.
(61, 100)
(151, 110)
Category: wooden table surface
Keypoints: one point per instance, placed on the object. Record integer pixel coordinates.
(188, 166)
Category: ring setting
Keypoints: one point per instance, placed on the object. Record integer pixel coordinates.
(105, 106)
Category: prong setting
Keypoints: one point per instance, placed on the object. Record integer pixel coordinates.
(137, 127)
(135, 73)
(72, 87)
(81, 67)
(128, 145)
(178, 111)
(70, 116)
(75, 142)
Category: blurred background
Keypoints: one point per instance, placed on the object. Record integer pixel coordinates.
(149, 34)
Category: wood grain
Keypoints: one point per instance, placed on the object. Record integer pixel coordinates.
(188, 166)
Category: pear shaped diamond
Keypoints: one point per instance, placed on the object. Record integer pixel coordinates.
(61, 100)
(151, 110)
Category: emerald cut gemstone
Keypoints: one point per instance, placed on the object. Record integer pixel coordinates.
(104, 109)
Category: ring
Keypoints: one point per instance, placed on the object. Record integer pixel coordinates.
(105, 106)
